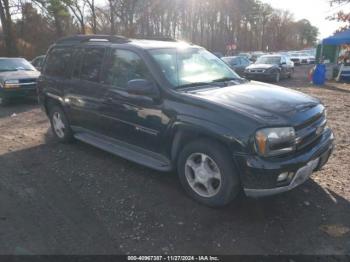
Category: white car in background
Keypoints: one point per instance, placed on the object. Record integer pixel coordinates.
(300, 58)
(306, 59)
(295, 57)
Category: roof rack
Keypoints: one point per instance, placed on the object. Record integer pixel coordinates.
(156, 38)
(93, 38)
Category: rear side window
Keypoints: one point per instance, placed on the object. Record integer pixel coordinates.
(58, 62)
(125, 66)
(92, 63)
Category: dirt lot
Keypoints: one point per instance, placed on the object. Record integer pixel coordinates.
(64, 199)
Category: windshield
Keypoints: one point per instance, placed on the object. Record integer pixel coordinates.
(15, 64)
(273, 60)
(191, 66)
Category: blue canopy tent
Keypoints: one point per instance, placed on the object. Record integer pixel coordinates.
(338, 39)
(341, 38)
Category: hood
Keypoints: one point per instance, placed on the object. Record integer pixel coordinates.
(21, 74)
(261, 66)
(265, 102)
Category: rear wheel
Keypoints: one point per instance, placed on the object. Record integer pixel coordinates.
(60, 125)
(207, 173)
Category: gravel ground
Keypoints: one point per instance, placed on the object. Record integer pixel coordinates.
(75, 199)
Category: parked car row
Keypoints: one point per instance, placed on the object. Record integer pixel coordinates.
(266, 68)
(301, 58)
(306, 56)
(269, 67)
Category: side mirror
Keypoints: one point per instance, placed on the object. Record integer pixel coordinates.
(142, 87)
(283, 63)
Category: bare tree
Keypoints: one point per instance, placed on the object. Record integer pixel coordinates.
(7, 27)
(92, 7)
(77, 7)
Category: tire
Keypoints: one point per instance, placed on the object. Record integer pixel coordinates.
(60, 125)
(277, 77)
(222, 190)
(291, 74)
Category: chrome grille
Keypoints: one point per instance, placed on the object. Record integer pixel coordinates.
(310, 131)
(28, 83)
(256, 70)
(27, 80)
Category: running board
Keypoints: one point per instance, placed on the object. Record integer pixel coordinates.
(125, 150)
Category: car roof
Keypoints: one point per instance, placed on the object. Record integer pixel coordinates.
(154, 43)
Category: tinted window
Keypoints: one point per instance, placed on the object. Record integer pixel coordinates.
(244, 62)
(125, 66)
(91, 67)
(77, 60)
(57, 62)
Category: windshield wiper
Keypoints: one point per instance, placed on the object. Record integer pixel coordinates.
(193, 85)
(226, 79)
(8, 70)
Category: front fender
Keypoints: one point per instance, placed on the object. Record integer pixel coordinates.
(187, 125)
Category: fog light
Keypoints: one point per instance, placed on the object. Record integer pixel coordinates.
(290, 176)
(282, 177)
(285, 176)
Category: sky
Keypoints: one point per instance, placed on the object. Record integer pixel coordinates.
(315, 11)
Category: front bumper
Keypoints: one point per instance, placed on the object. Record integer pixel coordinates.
(259, 76)
(17, 92)
(296, 61)
(259, 175)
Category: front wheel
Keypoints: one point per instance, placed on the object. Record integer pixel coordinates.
(60, 125)
(207, 173)
(277, 77)
(291, 74)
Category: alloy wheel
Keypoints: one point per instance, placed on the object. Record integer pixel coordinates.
(58, 125)
(203, 175)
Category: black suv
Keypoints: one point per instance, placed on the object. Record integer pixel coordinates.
(170, 105)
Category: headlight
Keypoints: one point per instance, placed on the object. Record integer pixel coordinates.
(11, 83)
(275, 141)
